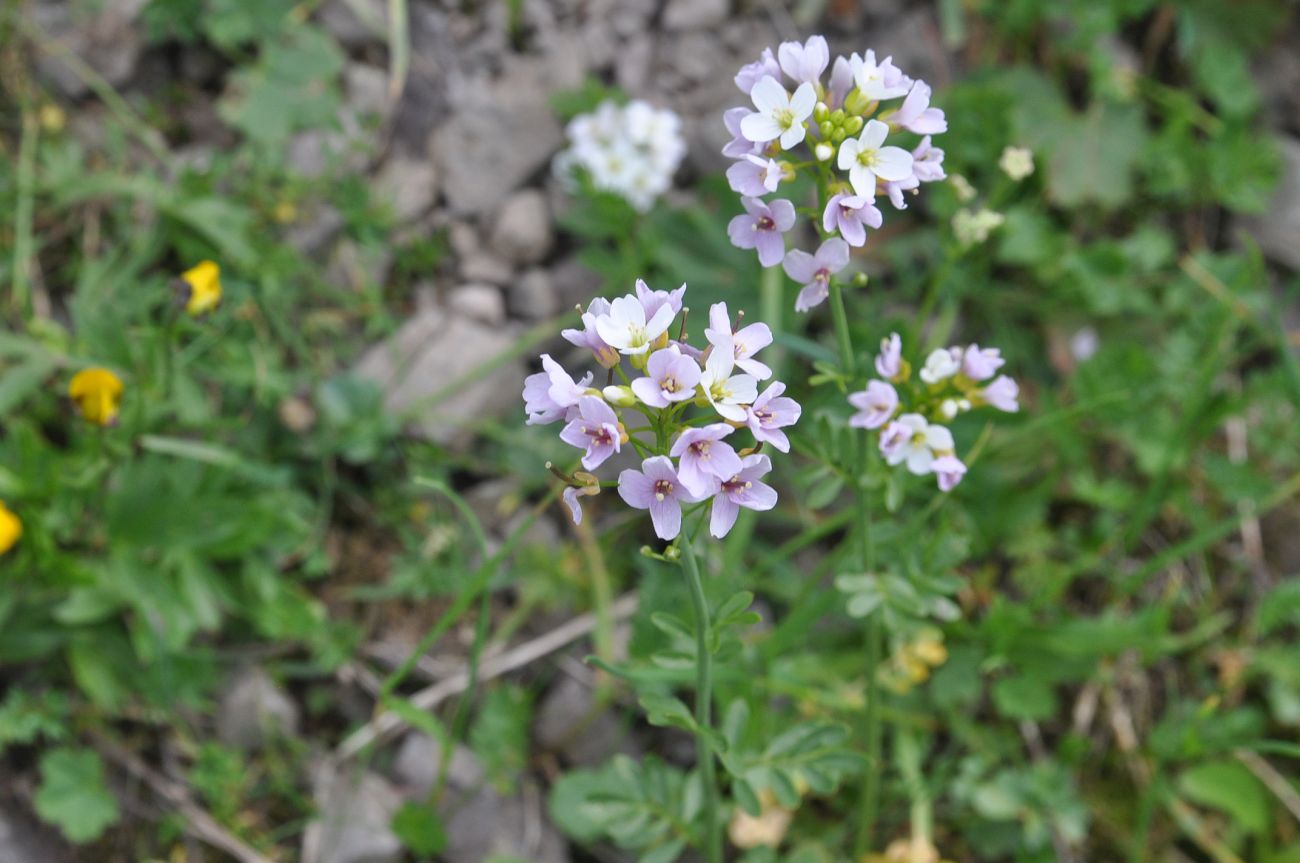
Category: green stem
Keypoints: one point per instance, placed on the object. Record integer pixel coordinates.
(841, 320)
(703, 700)
(771, 285)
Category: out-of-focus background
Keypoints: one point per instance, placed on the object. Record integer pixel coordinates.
(204, 603)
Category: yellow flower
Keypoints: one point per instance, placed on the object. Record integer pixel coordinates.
(769, 828)
(97, 392)
(203, 281)
(11, 528)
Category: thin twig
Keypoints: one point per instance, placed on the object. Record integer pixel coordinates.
(388, 723)
(198, 823)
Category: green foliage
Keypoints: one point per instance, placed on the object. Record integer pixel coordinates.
(647, 808)
(499, 735)
(73, 796)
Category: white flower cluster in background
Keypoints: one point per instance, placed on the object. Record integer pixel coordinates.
(631, 150)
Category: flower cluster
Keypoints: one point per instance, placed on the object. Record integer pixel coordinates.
(909, 411)
(843, 125)
(685, 459)
(632, 150)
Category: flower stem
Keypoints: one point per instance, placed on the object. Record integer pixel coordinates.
(703, 700)
(841, 319)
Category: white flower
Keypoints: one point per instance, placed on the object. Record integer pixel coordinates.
(725, 391)
(878, 81)
(1017, 162)
(866, 159)
(912, 440)
(779, 114)
(625, 328)
(974, 228)
(632, 151)
(940, 365)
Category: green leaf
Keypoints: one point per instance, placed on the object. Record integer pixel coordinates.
(73, 796)
(418, 827)
(1231, 788)
(647, 808)
(1024, 696)
(499, 736)
(1093, 159)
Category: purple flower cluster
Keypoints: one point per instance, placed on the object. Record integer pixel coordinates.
(682, 403)
(843, 122)
(909, 413)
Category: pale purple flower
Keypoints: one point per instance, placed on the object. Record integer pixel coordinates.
(595, 429)
(841, 82)
(587, 337)
(744, 343)
(573, 496)
(878, 81)
(876, 404)
(743, 489)
(1003, 394)
(754, 176)
(704, 458)
(895, 189)
(814, 271)
(866, 158)
(927, 162)
(739, 145)
(889, 362)
(653, 301)
(780, 115)
(549, 394)
(762, 227)
(851, 215)
(980, 364)
(751, 73)
(916, 115)
(770, 413)
(670, 377)
(911, 439)
(625, 327)
(727, 393)
(948, 471)
(805, 63)
(656, 487)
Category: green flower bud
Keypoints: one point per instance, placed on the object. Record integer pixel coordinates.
(825, 128)
(854, 125)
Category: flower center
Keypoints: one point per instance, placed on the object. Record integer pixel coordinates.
(736, 484)
(701, 448)
(598, 435)
(823, 275)
(669, 384)
(763, 416)
(663, 488)
(764, 223)
(867, 158)
(784, 117)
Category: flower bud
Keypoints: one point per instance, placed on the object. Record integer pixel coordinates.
(838, 117)
(824, 151)
(821, 112)
(825, 128)
(619, 396)
(853, 125)
(856, 103)
(672, 552)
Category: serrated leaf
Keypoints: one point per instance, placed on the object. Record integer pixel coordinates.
(73, 796)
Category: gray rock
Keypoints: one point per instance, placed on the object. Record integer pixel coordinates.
(483, 267)
(254, 710)
(357, 266)
(480, 302)
(463, 238)
(1278, 230)
(23, 839)
(576, 283)
(532, 296)
(495, 140)
(366, 90)
(436, 350)
(353, 824)
(315, 229)
(408, 185)
(339, 17)
(695, 14)
(419, 759)
(570, 722)
(523, 232)
(108, 37)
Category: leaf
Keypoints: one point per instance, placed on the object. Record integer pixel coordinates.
(499, 736)
(1093, 159)
(419, 829)
(73, 796)
(1230, 787)
(1024, 696)
(648, 808)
